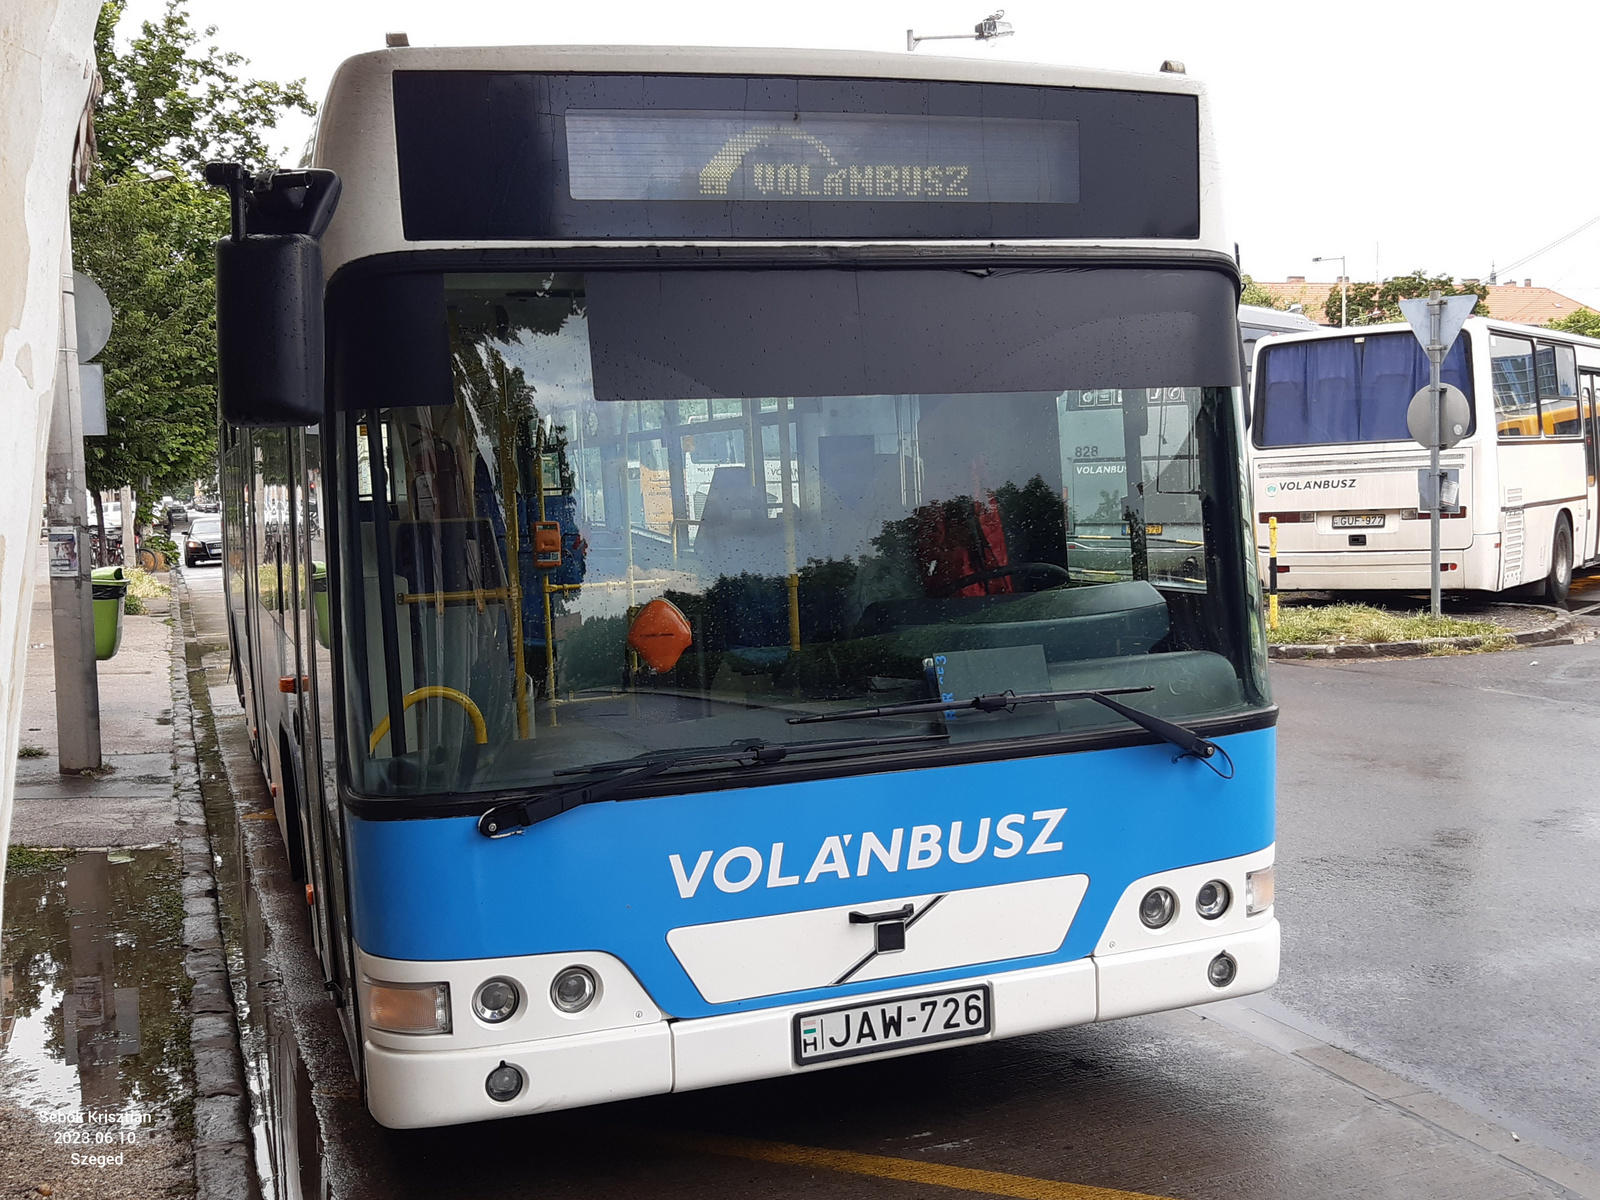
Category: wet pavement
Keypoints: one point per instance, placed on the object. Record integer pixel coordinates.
(97, 1079)
(1439, 832)
(94, 1015)
(130, 802)
(94, 1028)
(1413, 882)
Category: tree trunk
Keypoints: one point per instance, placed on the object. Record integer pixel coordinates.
(100, 520)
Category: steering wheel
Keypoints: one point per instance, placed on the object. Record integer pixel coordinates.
(434, 692)
(951, 589)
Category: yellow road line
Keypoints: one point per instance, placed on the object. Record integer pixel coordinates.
(961, 1179)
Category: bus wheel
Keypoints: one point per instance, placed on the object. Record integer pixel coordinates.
(1559, 582)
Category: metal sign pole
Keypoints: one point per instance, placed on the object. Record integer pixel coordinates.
(1438, 414)
(1435, 437)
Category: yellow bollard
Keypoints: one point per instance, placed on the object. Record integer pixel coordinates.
(1272, 572)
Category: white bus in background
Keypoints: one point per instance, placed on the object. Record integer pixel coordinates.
(1257, 323)
(1331, 458)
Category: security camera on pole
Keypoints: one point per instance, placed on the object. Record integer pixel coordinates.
(1438, 415)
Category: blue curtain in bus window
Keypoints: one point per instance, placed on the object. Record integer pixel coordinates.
(1340, 391)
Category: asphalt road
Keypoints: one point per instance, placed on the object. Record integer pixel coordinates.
(1436, 885)
(1439, 834)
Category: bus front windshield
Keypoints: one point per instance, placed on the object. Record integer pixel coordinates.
(593, 546)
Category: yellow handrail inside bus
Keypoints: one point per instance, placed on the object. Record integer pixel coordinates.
(435, 692)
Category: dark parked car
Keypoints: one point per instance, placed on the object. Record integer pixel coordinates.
(204, 541)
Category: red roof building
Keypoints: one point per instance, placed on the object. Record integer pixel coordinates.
(1525, 304)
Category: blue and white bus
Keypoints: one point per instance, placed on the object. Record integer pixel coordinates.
(771, 584)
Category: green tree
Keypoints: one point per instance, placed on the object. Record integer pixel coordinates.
(1585, 322)
(1379, 303)
(169, 105)
(1254, 293)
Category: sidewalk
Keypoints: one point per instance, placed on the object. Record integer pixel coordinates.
(132, 802)
(117, 1024)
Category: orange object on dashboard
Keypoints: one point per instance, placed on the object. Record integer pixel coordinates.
(660, 634)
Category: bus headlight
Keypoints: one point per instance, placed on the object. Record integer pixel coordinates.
(409, 1007)
(496, 1000)
(1158, 907)
(1258, 889)
(574, 989)
(1213, 899)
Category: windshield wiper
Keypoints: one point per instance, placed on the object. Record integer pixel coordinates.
(514, 815)
(1187, 740)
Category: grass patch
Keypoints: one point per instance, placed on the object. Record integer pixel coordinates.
(28, 860)
(27, 751)
(142, 586)
(1336, 623)
(145, 585)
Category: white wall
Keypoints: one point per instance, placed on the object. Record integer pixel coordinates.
(46, 64)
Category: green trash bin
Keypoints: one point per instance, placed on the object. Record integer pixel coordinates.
(110, 588)
(319, 601)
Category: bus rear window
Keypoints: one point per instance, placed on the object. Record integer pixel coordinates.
(1343, 390)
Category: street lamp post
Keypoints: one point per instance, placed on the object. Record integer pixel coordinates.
(1344, 284)
(986, 30)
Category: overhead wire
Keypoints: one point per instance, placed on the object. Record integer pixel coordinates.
(1527, 258)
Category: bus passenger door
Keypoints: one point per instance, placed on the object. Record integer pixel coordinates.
(1588, 546)
(275, 630)
(314, 724)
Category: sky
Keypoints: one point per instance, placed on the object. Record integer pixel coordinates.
(1401, 135)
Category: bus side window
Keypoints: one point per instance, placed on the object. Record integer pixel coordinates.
(1558, 382)
(1516, 400)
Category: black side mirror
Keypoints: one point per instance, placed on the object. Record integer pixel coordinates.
(269, 294)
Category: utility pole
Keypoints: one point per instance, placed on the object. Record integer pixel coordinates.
(1436, 350)
(1344, 286)
(71, 597)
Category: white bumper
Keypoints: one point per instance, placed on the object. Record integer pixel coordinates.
(1477, 567)
(417, 1082)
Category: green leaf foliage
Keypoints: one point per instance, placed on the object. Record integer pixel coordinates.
(150, 247)
(1254, 293)
(1379, 303)
(1585, 322)
(169, 105)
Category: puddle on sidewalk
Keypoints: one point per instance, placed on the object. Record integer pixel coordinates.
(94, 1015)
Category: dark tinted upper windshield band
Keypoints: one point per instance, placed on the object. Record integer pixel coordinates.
(694, 334)
(683, 334)
(500, 155)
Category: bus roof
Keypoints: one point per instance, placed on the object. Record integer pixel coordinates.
(356, 135)
(730, 60)
(1275, 319)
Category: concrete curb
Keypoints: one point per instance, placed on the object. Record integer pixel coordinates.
(224, 1160)
(1561, 629)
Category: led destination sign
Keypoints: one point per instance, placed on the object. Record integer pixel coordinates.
(812, 157)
